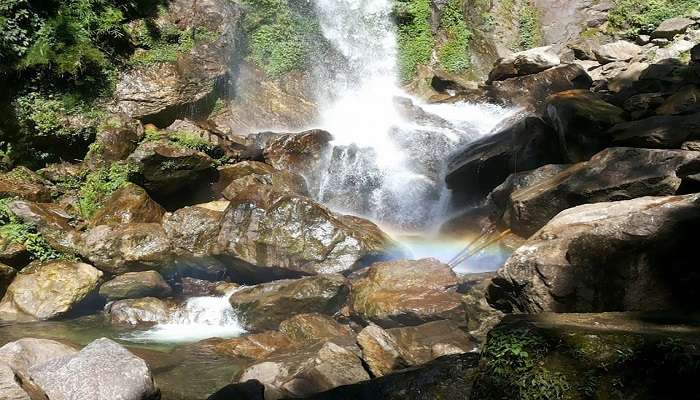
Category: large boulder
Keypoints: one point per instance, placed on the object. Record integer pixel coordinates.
(525, 62)
(147, 310)
(520, 144)
(617, 173)
(164, 168)
(103, 370)
(120, 249)
(500, 196)
(661, 132)
(48, 290)
(128, 204)
(53, 221)
(581, 120)
(114, 143)
(10, 388)
(193, 230)
(301, 153)
(685, 101)
(132, 285)
(610, 256)
(672, 27)
(266, 305)
(387, 350)
(229, 173)
(396, 293)
(24, 184)
(307, 371)
(617, 51)
(275, 232)
(266, 185)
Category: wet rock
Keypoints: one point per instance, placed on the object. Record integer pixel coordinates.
(147, 310)
(396, 293)
(7, 274)
(581, 119)
(605, 257)
(520, 144)
(128, 204)
(312, 327)
(230, 173)
(525, 62)
(165, 168)
(48, 290)
(266, 305)
(103, 370)
(272, 232)
(24, 184)
(120, 249)
(266, 185)
(672, 27)
(685, 101)
(500, 196)
(613, 174)
(133, 285)
(114, 143)
(617, 51)
(193, 230)
(53, 221)
(665, 132)
(307, 371)
(255, 346)
(448, 377)
(530, 91)
(200, 287)
(387, 350)
(301, 153)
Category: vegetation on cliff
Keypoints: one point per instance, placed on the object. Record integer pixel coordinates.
(632, 17)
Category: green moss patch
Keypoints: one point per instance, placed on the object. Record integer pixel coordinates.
(99, 185)
(415, 37)
(16, 231)
(453, 55)
(630, 18)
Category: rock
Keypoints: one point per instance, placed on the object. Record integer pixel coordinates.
(530, 91)
(525, 62)
(114, 143)
(581, 120)
(199, 287)
(132, 285)
(312, 327)
(165, 168)
(307, 371)
(10, 388)
(449, 377)
(266, 305)
(672, 27)
(585, 353)
(48, 290)
(25, 353)
(671, 53)
(643, 104)
(265, 185)
(691, 145)
(520, 144)
(249, 390)
(300, 153)
(500, 196)
(230, 173)
(695, 54)
(481, 316)
(13, 253)
(396, 293)
(147, 310)
(613, 174)
(7, 274)
(193, 230)
(664, 132)
(626, 78)
(129, 204)
(24, 184)
(103, 370)
(617, 51)
(387, 350)
(123, 248)
(609, 256)
(255, 346)
(685, 101)
(643, 39)
(61, 173)
(282, 234)
(53, 221)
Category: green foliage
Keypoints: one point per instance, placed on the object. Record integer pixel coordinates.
(101, 184)
(529, 28)
(633, 17)
(281, 37)
(415, 37)
(191, 140)
(454, 53)
(50, 116)
(16, 231)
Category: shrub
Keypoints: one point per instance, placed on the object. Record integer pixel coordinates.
(633, 17)
(529, 29)
(454, 53)
(100, 185)
(415, 37)
(192, 141)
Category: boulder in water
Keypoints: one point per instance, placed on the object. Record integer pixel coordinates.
(525, 62)
(147, 310)
(611, 256)
(129, 204)
(48, 290)
(266, 305)
(132, 285)
(103, 370)
(396, 293)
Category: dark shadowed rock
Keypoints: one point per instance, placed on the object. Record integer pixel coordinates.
(581, 120)
(664, 132)
(396, 293)
(605, 257)
(128, 204)
(132, 285)
(48, 290)
(525, 62)
(685, 101)
(266, 305)
(13, 253)
(520, 144)
(103, 370)
(200, 287)
(21, 182)
(500, 196)
(147, 310)
(114, 143)
(619, 173)
(7, 274)
(481, 316)
(119, 249)
(248, 390)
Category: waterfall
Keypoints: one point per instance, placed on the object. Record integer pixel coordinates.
(388, 161)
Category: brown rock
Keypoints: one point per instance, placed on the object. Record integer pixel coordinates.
(312, 327)
(25, 184)
(130, 204)
(661, 132)
(685, 101)
(132, 285)
(300, 153)
(53, 221)
(114, 143)
(147, 310)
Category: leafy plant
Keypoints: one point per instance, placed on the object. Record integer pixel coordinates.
(633, 17)
(454, 53)
(191, 140)
(529, 28)
(101, 184)
(165, 43)
(16, 231)
(415, 37)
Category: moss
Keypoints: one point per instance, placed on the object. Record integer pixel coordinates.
(630, 18)
(415, 37)
(16, 231)
(453, 55)
(529, 27)
(100, 184)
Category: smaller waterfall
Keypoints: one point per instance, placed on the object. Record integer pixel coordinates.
(198, 318)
